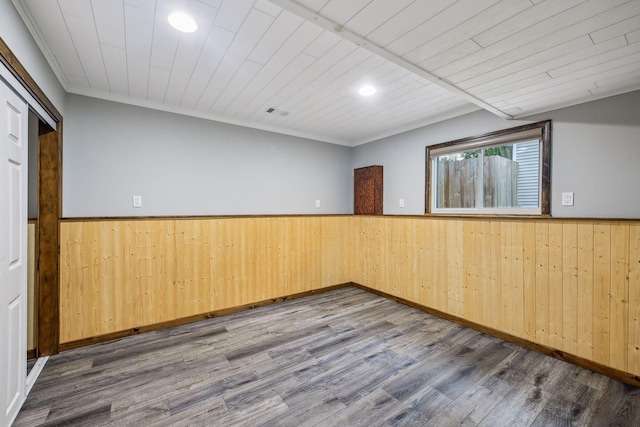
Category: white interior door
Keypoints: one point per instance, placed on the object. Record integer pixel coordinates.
(13, 253)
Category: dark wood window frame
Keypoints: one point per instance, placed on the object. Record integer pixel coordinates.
(49, 210)
(545, 181)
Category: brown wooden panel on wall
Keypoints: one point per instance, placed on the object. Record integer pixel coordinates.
(368, 190)
(48, 240)
(122, 274)
(572, 285)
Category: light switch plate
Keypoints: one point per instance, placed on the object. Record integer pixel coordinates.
(401, 203)
(137, 201)
(317, 203)
(567, 199)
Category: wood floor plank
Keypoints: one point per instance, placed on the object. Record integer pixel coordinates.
(342, 358)
(571, 404)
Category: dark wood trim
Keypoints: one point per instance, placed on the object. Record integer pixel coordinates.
(545, 190)
(429, 216)
(494, 134)
(31, 354)
(49, 209)
(48, 240)
(614, 373)
(210, 315)
(545, 179)
(427, 183)
(192, 217)
(20, 73)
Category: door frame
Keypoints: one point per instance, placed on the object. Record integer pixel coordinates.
(47, 283)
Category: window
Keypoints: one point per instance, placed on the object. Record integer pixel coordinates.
(504, 172)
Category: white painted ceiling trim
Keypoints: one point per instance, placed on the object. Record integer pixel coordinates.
(431, 120)
(572, 102)
(198, 114)
(327, 24)
(44, 47)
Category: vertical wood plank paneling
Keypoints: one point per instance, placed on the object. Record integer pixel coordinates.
(570, 287)
(442, 261)
(508, 300)
(455, 280)
(601, 291)
(555, 285)
(585, 290)
(468, 266)
(495, 280)
(483, 256)
(431, 261)
(634, 300)
(416, 259)
(529, 279)
(474, 296)
(542, 282)
(517, 279)
(619, 332)
(118, 275)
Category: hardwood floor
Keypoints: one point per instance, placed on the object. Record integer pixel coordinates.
(343, 358)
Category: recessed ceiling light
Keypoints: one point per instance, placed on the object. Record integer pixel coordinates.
(182, 22)
(367, 90)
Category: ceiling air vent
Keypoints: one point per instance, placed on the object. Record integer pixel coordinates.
(282, 113)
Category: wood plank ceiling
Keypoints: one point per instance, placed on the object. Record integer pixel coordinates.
(429, 59)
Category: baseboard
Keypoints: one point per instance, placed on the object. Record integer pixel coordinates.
(31, 354)
(599, 368)
(543, 349)
(190, 319)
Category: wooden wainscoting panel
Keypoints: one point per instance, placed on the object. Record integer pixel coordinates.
(571, 285)
(619, 331)
(469, 271)
(454, 282)
(542, 282)
(585, 297)
(516, 318)
(494, 314)
(556, 291)
(483, 258)
(506, 300)
(601, 291)
(634, 299)
(529, 279)
(122, 274)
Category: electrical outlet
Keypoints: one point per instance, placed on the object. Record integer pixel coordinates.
(317, 203)
(401, 203)
(137, 201)
(567, 199)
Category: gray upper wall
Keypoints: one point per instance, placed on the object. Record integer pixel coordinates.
(187, 166)
(16, 35)
(595, 154)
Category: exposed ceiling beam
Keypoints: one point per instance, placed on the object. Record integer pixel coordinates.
(323, 22)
